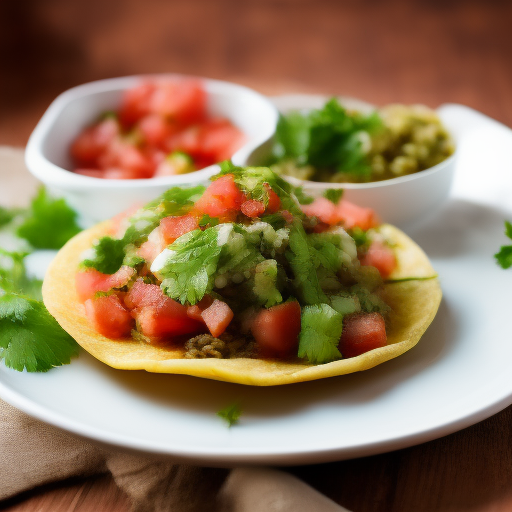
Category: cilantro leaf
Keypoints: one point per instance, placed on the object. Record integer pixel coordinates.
(108, 257)
(30, 338)
(292, 136)
(231, 414)
(14, 278)
(189, 272)
(504, 255)
(327, 138)
(49, 224)
(206, 220)
(320, 333)
(334, 194)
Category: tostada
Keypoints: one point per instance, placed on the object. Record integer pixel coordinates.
(247, 280)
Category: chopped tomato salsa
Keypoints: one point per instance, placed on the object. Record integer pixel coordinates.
(157, 121)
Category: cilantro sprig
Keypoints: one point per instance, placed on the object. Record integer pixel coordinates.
(49, 223)
(231, 414)
(326, 138)
(504, 255)
(30, 338)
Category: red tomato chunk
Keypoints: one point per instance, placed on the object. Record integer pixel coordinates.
(361, 333)
(108, 316)
(380, 256)
(174, 227)
(91, 281)
(221, 199)
(217, 317)
(158, 315)
(276, 330)
(349, 214)
(155, 119)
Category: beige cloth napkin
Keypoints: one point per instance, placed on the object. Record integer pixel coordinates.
(33, 453)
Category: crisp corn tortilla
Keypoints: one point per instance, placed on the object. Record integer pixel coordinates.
(414, 304)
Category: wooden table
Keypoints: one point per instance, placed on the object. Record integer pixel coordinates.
(382, 52)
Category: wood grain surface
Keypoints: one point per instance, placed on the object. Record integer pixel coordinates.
(428, 52)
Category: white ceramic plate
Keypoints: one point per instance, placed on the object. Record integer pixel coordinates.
(457, 375)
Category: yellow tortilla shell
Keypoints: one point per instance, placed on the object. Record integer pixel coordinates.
(414, 304)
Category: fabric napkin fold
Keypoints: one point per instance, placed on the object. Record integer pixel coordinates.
(33, 453)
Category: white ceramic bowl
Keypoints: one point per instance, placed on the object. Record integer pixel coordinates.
(403, 201)
(47, 153)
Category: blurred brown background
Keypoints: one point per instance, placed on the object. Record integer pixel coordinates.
(381, 51)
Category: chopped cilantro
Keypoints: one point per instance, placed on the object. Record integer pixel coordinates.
(334, 194)
(320, 333)
(108, 257)
(49, 224)
(231, 414)
(189, 273)
(326, 138)
(504, 256)
(30, 338)
(206, 220)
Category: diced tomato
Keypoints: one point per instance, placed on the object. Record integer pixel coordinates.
(90, 281)
(173, 227)
(122, 277)
(221, 199)
(196, 310)
(217, 317)
(182, 100)
(274, 203)
(380, 256)
(323, 209)
(128, 161)
(361, 333)
(158, 315)
(276, 330)
(89, 145)
(108, 316)
(166, 116)
(141, 295)
(219, 140)
(356, 216)
(252, 208)
(155, 130)
(136, 103)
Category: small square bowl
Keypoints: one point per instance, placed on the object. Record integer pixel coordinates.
(47, 155)
(404, 201)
